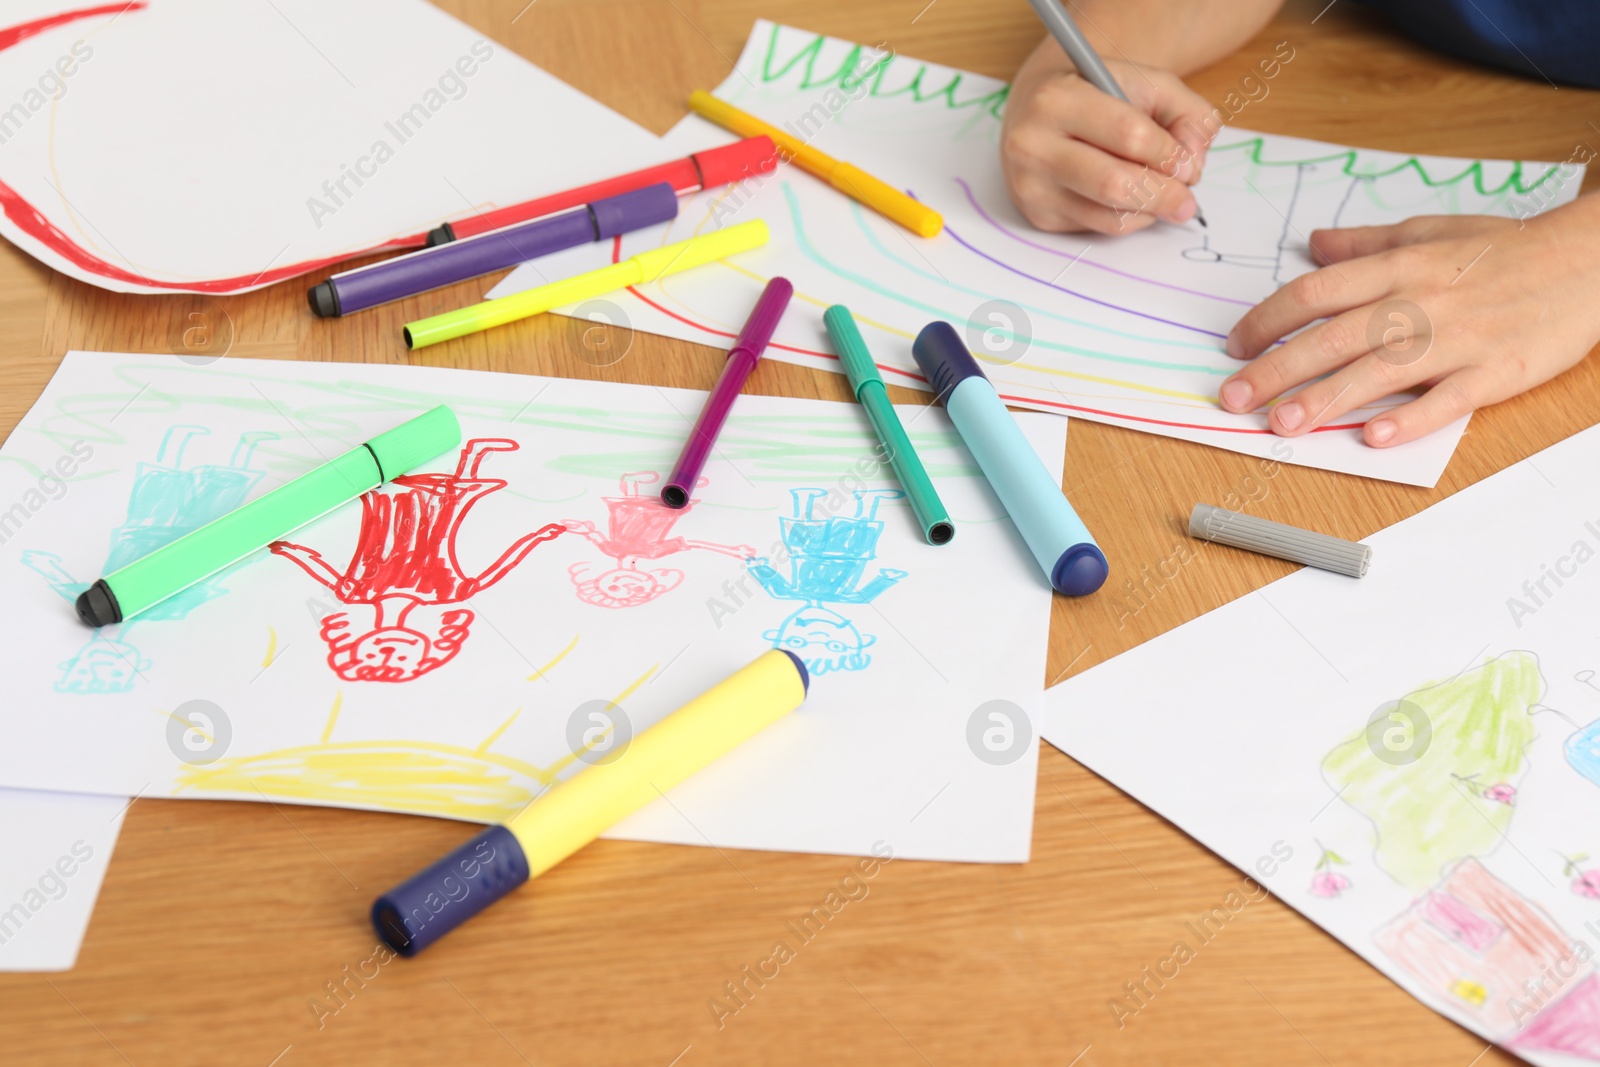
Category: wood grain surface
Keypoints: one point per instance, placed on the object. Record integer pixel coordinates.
(220, 923)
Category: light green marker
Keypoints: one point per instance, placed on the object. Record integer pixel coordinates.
(874, 397)
(222, 542)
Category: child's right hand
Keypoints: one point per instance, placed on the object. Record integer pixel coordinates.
(1078, 159)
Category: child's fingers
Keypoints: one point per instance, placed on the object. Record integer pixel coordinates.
(1106, 180)
(1305, 356)
(1125, 131)
(1307, 298)
(1459, 394)
(1184, 113)
(1352, 242)
(1055, 209)
(1361, 382)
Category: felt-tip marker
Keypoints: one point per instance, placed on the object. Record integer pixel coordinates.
(868, 385)
(572, 813)
(430, 268)
(224, 541)
(1030, 494)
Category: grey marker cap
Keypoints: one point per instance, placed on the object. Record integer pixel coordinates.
(1279, 539)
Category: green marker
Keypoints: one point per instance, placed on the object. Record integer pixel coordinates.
(222, 542)
(874, 397)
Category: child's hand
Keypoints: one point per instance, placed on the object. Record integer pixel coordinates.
(1078, 159)
(1476, 309)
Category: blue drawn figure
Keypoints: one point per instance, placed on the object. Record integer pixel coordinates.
(828, 557)
(167, 502)
(1583, 751)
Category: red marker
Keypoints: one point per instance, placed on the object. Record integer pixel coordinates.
(703, 170)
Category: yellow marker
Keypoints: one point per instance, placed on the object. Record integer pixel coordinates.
(1469, 991)
(570, 814)
(852, 181)
(639, 270)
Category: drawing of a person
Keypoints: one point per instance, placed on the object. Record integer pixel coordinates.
(166, 503)
(638, 525)
(828, 558)
(405, 558)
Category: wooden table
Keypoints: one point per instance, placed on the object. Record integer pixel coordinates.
(219, 923)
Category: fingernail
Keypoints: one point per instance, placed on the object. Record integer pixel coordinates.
(1235, 349)
(1291, 415)
(1236, 395)
(1185, 210)
(1381, 430)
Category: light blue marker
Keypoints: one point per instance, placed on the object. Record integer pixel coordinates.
(1030, 494)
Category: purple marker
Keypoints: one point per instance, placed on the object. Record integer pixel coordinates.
(747, 349)
(429, 268)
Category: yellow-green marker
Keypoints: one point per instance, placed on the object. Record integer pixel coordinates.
(222, 542)
(874, 398)
(641, 269)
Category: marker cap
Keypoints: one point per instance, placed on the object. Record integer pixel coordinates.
(726, 165)
(944, 358)
(854, 356)
(443, 895)
(627, 212)
(414, 443)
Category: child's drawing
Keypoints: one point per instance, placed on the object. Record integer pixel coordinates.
(637, 529)
(1585, 882)
(405, 559)
(1476, 942)
(828, 557)
(1428, 808)
(1583, 752)
(166, 503)
(1325, 881)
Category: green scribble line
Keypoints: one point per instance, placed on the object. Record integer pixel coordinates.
(861, 65)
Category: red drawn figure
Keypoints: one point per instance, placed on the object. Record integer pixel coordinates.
(638, 526)
(405, 558)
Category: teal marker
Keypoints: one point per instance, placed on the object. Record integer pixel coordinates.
(222, 542)
(874, 397)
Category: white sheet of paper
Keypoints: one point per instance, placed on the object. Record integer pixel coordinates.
(485, 680)
(219, 147)
(1455, 841)
(56, 849)
(1127, 330)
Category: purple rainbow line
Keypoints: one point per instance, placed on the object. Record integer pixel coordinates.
(965, 188)
(1072, 292)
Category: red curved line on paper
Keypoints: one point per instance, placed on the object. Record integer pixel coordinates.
(616, 252)
(31, 221)
(11, 36)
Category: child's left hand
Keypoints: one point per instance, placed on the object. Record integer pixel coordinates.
(1477, 309)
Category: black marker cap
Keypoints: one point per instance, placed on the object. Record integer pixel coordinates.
(445, 894)
(97, 605)
(440, 235)
(324, 300)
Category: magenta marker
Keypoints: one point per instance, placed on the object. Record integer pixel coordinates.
(747, 349)
(446, 264)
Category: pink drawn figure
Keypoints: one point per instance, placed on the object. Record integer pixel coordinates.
(1584, 883)
(637, 529)
(1328, 882)
(405, 558)
(1501, 793)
